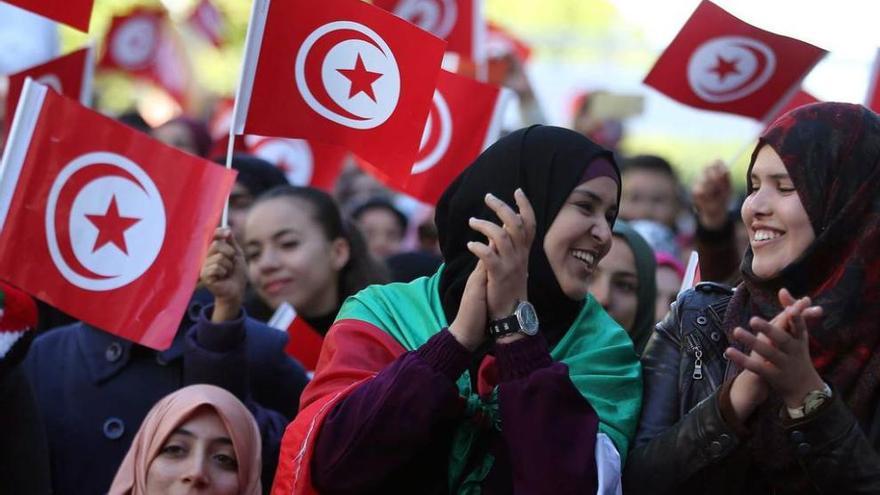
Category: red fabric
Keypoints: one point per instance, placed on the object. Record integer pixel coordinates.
(798, 99)
(115, 239)
(304, 344)
(74, 13)
(354, 352)
(207, 21)
(872, 100)
(132, 42)
(718, 62)
(143, 44)
(304, 163)
(19, 311)
(459, 127)
(456, 21)
(346, 73)
(66, 74)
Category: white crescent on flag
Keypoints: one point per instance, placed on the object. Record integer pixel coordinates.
(348, 74)
(728, 68)
(105, 221)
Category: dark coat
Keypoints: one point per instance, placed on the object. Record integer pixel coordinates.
(24, 455)
(94, 389)
(685, 446)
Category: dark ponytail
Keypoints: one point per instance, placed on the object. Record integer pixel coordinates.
(361, 269)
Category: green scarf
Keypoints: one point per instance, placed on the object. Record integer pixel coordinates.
(599, 355)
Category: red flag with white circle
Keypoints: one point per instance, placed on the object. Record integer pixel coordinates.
(304, 163)
(346, 73)
(718, 62)
(144, 44)
(95, 221)
(459, 22)
(69, 75)
(465, 118)
(74, 13)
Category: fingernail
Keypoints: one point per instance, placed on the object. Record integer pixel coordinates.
(491, 196)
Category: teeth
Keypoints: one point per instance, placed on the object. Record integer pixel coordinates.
(584, 256)
(766, 235)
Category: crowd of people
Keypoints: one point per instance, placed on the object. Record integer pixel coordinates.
(530, 336)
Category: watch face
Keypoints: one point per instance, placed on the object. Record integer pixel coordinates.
(528, 319)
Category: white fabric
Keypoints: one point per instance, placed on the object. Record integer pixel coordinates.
(608, 466)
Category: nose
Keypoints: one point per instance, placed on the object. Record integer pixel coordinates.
(758, 203)
(267, 262)
(195, 472)
(601, 233)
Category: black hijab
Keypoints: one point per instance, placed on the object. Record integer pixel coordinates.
(547, 163)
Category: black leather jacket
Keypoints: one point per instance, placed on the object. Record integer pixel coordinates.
(685, 446)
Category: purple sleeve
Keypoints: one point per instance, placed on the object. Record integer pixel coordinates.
(391, 419)
(548, 427)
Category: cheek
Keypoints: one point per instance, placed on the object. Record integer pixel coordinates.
(225, 482)
(160, 474)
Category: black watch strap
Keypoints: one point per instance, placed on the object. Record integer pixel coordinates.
(504, 326)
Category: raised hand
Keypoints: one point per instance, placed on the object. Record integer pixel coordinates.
(469, 326)
(711, 194)
(506, 256)
(780, 353)
(224, 275)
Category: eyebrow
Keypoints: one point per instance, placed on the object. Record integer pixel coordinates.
(591, 196)
(187, 433)
(282, 233)
(772, 176)
(274, 237)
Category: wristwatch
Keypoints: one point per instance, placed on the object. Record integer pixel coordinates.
(523, 320)
(812, 401)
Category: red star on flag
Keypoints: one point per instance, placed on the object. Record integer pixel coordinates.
(724, 67)
(111, 227)
(361, 79)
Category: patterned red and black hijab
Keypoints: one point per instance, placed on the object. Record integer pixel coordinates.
(832, 154)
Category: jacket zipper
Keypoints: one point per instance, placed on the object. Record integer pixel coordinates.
(698, 357)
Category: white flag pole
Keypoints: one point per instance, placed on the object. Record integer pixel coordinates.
(690, 272)
(252, 43)
(85, 95)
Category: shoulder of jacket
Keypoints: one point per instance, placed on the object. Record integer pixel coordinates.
(714, 287)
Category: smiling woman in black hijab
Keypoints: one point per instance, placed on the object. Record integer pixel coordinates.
(405, 398)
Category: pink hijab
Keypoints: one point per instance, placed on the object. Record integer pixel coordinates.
(168, 414)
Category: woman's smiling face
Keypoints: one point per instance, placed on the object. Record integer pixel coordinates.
(580, 235)
(775, 219)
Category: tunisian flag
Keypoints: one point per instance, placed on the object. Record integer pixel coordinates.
(459, 22)
(95, 221)
(74, 13)
(304, 163)
(465, 118)
(144, 44)
(345, 73)
(718, 62)
(69, 75)
(304, 342)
